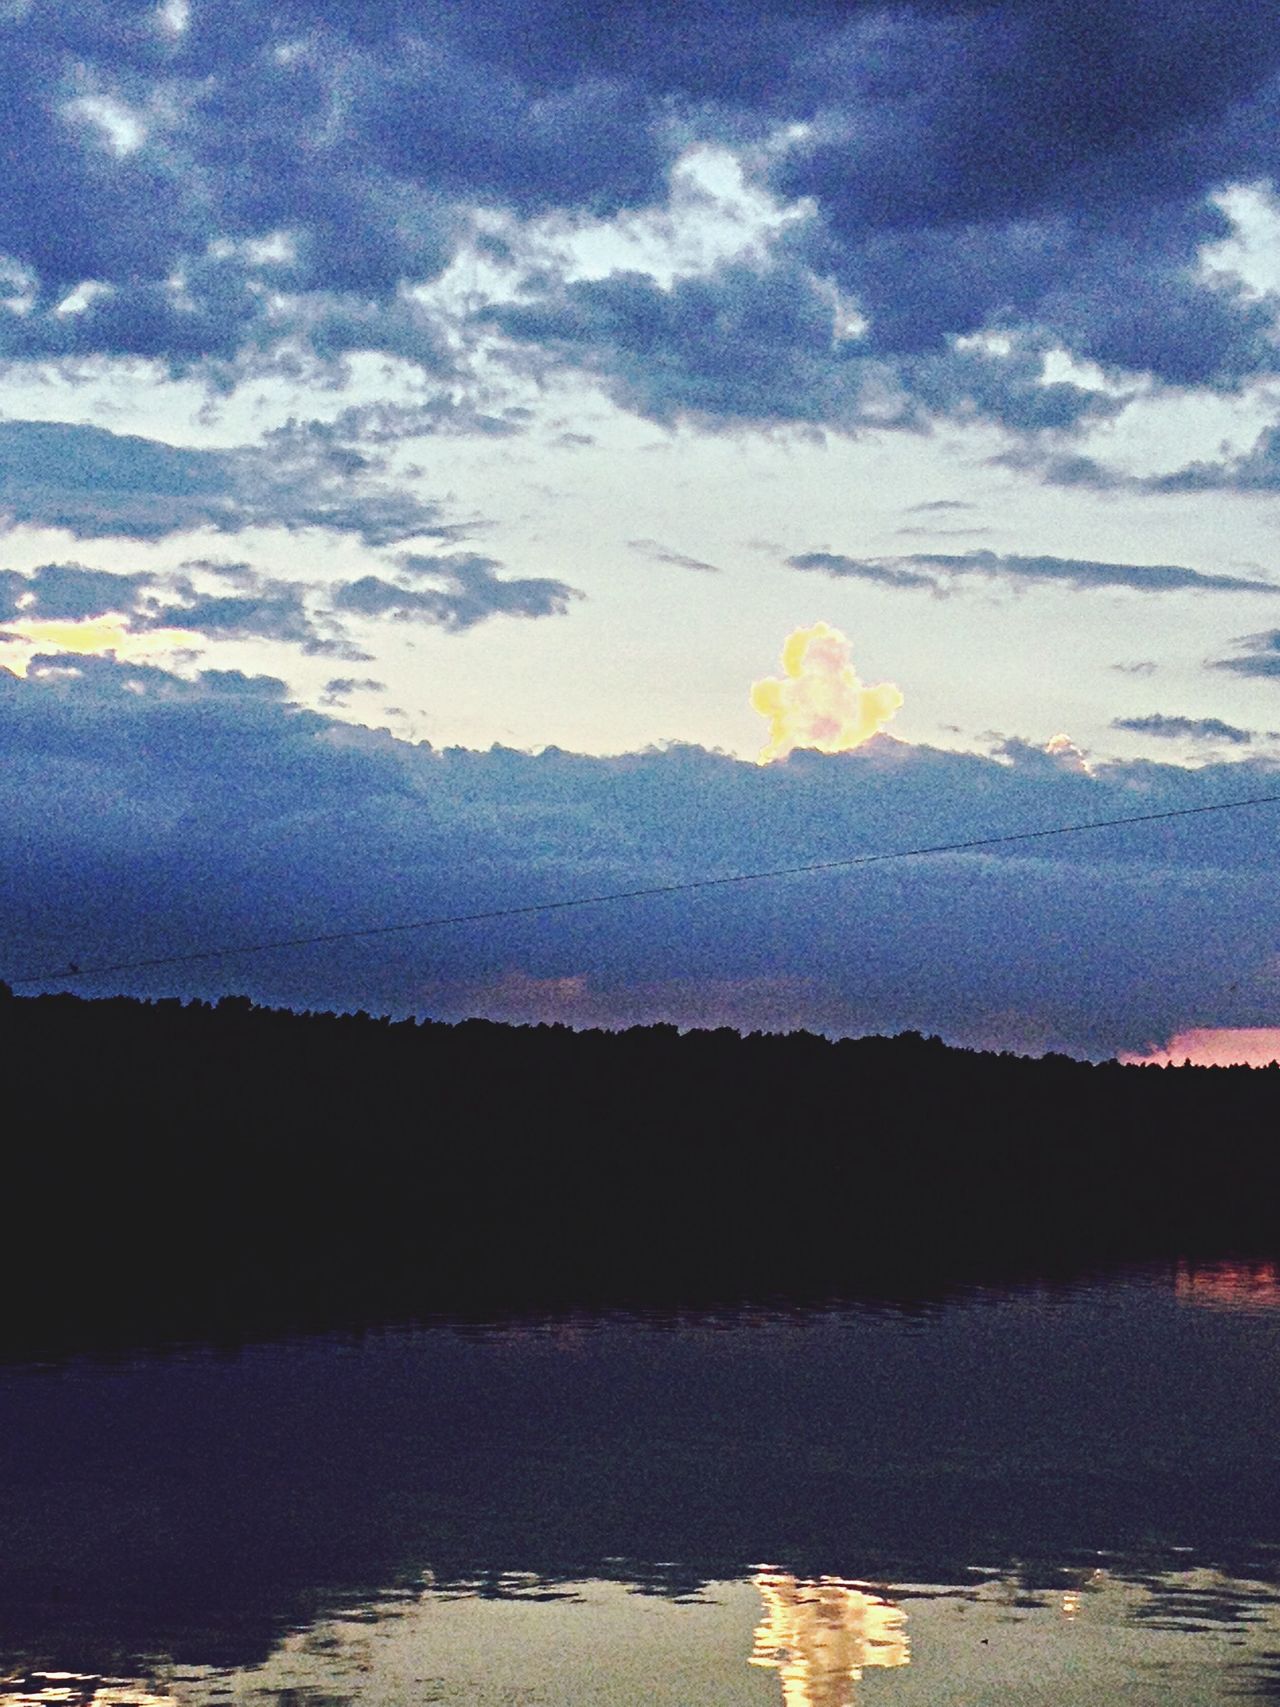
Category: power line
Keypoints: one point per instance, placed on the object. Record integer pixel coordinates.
(850, 862)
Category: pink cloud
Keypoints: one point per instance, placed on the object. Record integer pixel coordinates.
(1208, 1046)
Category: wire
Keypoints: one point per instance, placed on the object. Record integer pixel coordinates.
(685, 887)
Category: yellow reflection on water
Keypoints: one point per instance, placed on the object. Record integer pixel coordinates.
(77, 1689)
(1254, 1285)
(821, 1633)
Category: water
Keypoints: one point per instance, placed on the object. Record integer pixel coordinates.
(1051, 1497)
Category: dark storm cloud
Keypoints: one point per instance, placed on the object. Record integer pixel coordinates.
(471, 592)
(1185, 728)
(762, 346)
(937, 571)
(1046, 164)
(97, 484)
(1260, 656)
(260, 187)
(1038, 170)
(140, 814)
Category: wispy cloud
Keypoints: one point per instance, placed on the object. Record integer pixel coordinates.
(1185, 728)
(659, 553)
(1256, 470)
(940, 573)
(1259, 656)
(96, 484)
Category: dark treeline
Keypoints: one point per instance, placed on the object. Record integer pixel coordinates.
(198, 1169)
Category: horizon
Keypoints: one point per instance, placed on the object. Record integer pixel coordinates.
(1251, 1050)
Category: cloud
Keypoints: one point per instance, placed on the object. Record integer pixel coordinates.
(380, 424)
(471, 591)
(141, 814)
(975, 188)
(92, 610)
(237, 683)
(340, 689)
(1185, 728)
(1257, 1046)
(881, 572)
(1024, 164)
(69, 607)
(255, 189)
(1261, 656)
(819, 701)
(659, 553)
(1063, 751)
(944, 532)
(270, 189)
(24, 642)
(277, 612)
(68, 592)
(937, 571)
(1256, 471)
(96, 484)
(763, 345)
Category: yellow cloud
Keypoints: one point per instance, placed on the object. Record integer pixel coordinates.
(26, 639)
(819, 701)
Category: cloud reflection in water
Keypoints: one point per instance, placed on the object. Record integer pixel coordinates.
(821, 1634)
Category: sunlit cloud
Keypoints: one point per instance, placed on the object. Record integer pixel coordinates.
(1070, 756)
(26, 639)
(1214, 1046)
(819, 700)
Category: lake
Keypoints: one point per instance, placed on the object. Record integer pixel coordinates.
(1051, 1495)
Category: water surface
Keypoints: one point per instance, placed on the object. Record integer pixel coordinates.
(1043, 1496)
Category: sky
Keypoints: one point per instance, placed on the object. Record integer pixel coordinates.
(455, 456)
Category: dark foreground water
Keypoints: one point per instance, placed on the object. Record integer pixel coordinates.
(1050, 1497)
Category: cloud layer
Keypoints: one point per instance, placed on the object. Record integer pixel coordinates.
(143, 815)
(235, 187)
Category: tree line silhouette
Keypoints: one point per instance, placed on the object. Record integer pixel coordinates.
(221, 1168)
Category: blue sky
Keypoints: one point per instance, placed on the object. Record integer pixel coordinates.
(423, 423)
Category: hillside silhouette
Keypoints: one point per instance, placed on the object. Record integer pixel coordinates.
(198, 1169)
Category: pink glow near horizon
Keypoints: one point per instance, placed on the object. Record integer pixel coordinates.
(1208, 1046)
